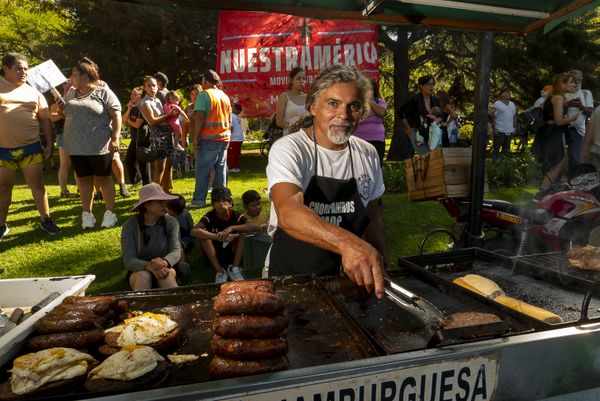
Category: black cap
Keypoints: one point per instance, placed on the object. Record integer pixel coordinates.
(212, 77)
(160, 76)
(219, 193)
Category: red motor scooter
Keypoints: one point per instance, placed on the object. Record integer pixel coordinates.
(556, 223)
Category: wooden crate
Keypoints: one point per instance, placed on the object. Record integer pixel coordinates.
(444, 172)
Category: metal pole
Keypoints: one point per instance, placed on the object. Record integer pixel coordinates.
(479, 139)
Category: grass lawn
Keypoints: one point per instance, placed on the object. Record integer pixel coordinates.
(29, 252)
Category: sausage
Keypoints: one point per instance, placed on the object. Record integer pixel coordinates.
(249, 326)
(60, 324)
(249, 348)
(99, 305)
(74, 339)
(64, 311)
(75, 299)
(221, 368)
(122, 306)
(251, 303)
(234, 287)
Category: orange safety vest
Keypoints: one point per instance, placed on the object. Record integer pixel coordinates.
(217, 124)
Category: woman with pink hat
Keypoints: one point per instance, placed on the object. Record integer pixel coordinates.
(150, 242)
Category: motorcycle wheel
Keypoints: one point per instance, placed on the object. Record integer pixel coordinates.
(501, 245)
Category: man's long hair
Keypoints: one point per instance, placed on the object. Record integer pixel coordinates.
(330, 76)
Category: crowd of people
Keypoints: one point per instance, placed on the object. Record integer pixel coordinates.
(568, 135)
(320, 213)
(324, 176)
(569, 115)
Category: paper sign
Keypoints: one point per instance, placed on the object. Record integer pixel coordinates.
(45, 76)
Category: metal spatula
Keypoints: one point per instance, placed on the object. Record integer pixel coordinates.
(431, 314)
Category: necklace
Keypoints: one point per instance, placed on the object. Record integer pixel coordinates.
(86, 92)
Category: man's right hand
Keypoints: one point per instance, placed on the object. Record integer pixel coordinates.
(364, 266)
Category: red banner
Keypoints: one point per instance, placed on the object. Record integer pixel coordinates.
(257, 51)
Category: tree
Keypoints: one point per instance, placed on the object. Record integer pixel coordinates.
(523, 63)
(129, 41)
(26, 26)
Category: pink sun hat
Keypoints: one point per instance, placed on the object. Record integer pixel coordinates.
(150, 192)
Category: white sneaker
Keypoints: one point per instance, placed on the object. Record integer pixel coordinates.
(109, 220)
(87, 220)
(220, 277)
(234, 273)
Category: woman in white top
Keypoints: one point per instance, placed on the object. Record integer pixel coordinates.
(154, 114)
(291, 103)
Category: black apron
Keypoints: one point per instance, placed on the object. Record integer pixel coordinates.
(338, 202)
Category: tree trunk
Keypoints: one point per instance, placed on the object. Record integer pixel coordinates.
(400, 147)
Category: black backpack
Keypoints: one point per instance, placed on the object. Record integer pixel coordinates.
(273, 132)
(145, 145)
(532, 119)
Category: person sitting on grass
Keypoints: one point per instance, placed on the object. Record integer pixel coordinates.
(221, 233)
(178, 210)
(253, 209)
(150, 242)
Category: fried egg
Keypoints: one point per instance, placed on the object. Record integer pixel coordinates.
(127, 364)
(145, 329)
(32, 371)
(178, 359)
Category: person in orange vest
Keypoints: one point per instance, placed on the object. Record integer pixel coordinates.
(212, 125)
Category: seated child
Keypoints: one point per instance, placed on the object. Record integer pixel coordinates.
(178, 210)
(252, 209)
(221, 233)
(434, 119)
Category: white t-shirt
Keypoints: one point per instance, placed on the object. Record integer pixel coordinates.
(237, 134)
(505, 117)
(587, 100)
(292, 160)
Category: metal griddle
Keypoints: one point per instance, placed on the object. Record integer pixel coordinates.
(318, 333)
(533, 280)
(394, 329)
(556, 264)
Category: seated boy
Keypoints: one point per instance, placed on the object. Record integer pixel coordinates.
(253, 208)
(221, 233)
(178, 210)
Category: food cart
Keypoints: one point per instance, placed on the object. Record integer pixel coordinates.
(345, 344)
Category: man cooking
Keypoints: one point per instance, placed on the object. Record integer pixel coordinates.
(324, 184)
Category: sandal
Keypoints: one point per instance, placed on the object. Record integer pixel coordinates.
(67, 194)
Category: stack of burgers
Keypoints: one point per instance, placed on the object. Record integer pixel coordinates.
(249, 329)
(78, 322)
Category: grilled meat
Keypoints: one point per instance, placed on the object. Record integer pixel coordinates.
(73, 339)
(221, 368)
(585, 258)
(249, 326)
(252, 303)
(249, 348)
(467, 319)
(234, 287)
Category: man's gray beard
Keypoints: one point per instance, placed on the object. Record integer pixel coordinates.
(339, 138)
(577, 88)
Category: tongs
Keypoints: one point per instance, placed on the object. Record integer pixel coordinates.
(427, 311)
